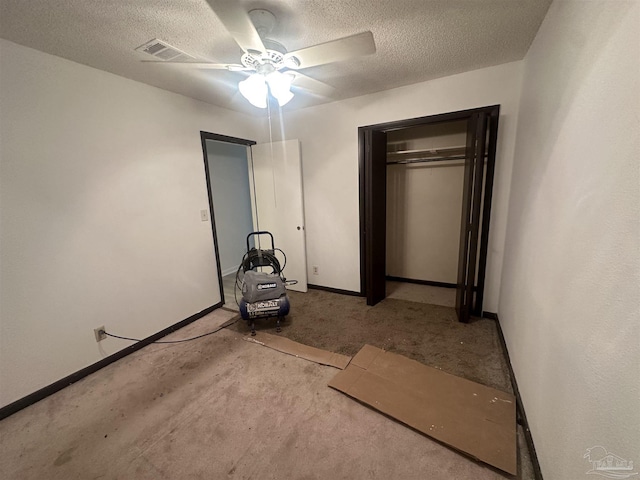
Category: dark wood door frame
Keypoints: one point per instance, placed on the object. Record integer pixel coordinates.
(369, 191)
(477, 126)
(375, 167)
(204, 136)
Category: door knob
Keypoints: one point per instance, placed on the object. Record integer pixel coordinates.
(298, 227)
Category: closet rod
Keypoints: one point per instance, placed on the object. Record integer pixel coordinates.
(429, 160)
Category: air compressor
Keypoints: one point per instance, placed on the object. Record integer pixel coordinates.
(263, 285)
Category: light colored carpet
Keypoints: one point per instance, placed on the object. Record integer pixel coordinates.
(218, 407)
(414, 292)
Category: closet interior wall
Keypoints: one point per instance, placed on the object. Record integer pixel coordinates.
(424, 201)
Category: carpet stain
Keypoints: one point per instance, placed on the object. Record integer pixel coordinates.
(291, 441)
(64, 457)
(189, 365)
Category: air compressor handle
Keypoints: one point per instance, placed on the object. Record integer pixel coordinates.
(263, 232)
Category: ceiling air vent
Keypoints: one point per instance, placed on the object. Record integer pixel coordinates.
(163, 51)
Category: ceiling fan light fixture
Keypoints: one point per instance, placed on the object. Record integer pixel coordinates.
(280, 87)
(284, 98)
(255, 90)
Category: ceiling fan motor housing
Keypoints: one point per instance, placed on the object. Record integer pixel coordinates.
(275, 56)
(269, 57)
(263, 20)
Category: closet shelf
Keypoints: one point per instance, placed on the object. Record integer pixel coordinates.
(402, 157)
(435, 152)
(407, 161)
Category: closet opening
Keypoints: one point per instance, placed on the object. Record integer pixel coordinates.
(425, 203)
(425, 176)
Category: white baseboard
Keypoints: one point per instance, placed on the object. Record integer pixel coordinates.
(229, 271)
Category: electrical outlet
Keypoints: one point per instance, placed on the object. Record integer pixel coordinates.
(315, 270)
(204, 215)
(100, 333)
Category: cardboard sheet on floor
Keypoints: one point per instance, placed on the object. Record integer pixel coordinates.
(283, 344)
(465, 415)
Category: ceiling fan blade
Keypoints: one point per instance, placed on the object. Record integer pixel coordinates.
(333, 51)
(233, 67)
(237, 22)
(312, 85)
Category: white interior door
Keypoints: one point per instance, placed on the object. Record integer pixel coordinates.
(278, 205)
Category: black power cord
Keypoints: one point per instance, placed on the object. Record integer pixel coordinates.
(228, 323)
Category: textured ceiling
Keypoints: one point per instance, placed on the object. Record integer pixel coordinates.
(416, 40)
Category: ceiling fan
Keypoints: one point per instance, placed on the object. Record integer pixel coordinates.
(272, 69)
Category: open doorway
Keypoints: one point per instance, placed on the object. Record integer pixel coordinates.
(226, 161)
(254, 187)
(425, 203)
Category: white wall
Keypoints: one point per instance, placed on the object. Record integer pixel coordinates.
(570, 297)
(423, 221)
(424, 205)
(229, 174)
(329, 141)
(101, 189)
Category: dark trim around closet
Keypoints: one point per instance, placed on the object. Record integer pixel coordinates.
(367, 197)
(486, 212)
(418, 121)
(431, 283)
(361, 209)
